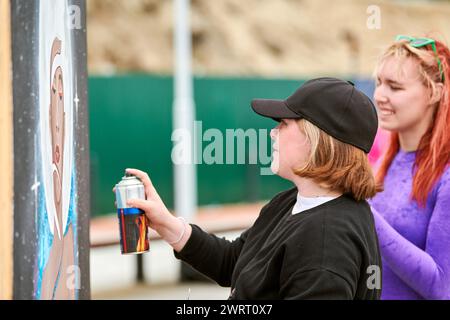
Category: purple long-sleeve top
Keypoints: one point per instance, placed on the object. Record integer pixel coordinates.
(414, 241)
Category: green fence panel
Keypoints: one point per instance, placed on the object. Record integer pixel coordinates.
(131, 126)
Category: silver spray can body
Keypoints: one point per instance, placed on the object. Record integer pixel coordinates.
(132, 221)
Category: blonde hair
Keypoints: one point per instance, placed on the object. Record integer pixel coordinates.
(428, 69)
(337, 165)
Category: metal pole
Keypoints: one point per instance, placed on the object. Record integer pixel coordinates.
(184, 113)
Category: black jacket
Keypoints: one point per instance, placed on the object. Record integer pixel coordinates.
(327, 252)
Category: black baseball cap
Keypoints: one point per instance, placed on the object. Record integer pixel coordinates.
(333, 105)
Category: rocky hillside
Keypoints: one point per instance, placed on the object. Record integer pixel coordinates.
(276, 38)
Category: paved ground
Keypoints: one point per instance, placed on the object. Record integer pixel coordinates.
(183, 291)
(113, 276)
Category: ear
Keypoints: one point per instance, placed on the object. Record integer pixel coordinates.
(436, 97)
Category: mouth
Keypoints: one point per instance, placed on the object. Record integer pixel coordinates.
(386, 111)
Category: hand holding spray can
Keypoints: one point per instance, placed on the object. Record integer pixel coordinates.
(132, 221)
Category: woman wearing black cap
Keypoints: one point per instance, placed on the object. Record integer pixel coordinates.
(314, 241)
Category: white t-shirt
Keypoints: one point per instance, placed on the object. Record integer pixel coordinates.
(306, 203)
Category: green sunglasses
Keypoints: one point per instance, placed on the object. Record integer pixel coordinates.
(423, 42)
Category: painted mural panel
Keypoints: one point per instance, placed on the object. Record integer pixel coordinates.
(57, 211)
(50, 102)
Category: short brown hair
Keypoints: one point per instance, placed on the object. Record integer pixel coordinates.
(337, 165)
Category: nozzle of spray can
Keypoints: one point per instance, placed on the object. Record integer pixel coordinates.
(127, 174)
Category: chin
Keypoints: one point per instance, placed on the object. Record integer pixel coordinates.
(279, 172)
(274, 171)
(389, 125)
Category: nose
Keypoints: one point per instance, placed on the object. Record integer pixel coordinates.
(379, 95)
(274, 133)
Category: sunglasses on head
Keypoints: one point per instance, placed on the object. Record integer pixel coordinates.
(423, 42)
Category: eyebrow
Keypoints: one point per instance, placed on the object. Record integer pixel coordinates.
(391, 81)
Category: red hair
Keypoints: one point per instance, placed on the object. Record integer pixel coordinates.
(433, 153)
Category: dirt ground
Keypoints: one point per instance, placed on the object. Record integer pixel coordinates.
(274, 38)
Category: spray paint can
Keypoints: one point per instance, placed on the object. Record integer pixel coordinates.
(132, 222)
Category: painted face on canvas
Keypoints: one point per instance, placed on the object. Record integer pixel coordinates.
(57, 122)
(291, 148)
(57, 241)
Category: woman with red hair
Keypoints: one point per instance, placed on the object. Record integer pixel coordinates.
(412, 214)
